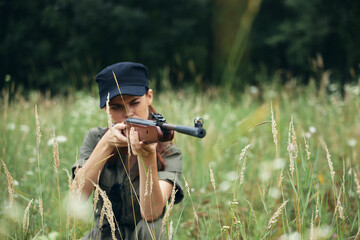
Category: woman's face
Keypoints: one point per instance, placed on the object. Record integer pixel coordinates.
(125, 106)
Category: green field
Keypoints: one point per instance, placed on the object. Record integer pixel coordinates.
(297, 184)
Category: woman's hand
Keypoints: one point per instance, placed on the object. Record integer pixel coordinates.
(138, 147)
(116, 136)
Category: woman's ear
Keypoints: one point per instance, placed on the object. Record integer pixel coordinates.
(149, 96)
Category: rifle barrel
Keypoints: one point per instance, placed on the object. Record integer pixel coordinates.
(192, 131)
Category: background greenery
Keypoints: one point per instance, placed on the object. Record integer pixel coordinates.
(317, 208)
(62, 44)
(227, 61)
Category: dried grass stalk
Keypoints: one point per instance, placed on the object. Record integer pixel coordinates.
(171, 230)
(41, 209)
(96, 198)
(188, 191)
(357, 183)
(330, 163)
(281, 178)
(108, 113)
(212, 179)
(243, 157)
(70, 181)
(276, 215)
(273, 127)
(38, 132)
(292, 146)
(78, 185)
(339, 208)
(147, 184)
(107, 211)
(307, 149)
(169, 206)
(26, 217)
(56, 155)
(10, 183)
(242, 173)
(151, 182)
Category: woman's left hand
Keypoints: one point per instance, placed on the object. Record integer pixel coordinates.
(138, 147)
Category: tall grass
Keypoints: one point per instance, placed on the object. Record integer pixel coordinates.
(264, 189)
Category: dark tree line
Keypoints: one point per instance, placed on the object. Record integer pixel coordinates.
(50, 44)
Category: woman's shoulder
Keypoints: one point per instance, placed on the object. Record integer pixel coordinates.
(95, 134)
(170, 149)
(97, 130)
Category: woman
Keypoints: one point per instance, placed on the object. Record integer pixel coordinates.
(126, 178)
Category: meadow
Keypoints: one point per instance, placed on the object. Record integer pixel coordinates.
(278, 162)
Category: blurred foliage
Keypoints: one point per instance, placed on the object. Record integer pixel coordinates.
(54, 43)
(288, 34)
(62, 44)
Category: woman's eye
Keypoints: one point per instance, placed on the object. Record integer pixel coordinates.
(117, 107)
(134, 103)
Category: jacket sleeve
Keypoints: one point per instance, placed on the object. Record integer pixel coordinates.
(91, 139)
(173, 170)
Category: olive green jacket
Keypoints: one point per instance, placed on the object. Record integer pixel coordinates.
(115, 182)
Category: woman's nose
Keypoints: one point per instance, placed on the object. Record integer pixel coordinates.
(129, 112)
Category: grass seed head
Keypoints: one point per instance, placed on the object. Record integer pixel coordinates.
(26, 217)
(171, 230)
(108, 113)
(56, 155)
(106, 211)
(212, 179)
(38, 132)
(169, 206)
(292, 147)
(330, 163)
(276, 215)
(10, 183)
(357, 183)
(186, 186)
(41, 209)
(307, 149)
(273, 127)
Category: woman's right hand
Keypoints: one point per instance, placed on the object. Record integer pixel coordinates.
(116, 137)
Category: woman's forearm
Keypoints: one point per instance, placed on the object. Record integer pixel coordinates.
(89, 174)
(153, 193)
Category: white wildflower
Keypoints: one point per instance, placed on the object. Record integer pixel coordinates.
(312, 129)
(291, 236)
(351, 142)
(59, 139)
(322, 232)
(274, 193)
(16, 183)
(253, 90)
(224, 186)
(10, 126)
(24, 128)
(279, 163)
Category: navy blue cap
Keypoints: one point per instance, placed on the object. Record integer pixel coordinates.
(132, 79)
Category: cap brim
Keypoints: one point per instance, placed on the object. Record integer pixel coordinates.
(125, 90)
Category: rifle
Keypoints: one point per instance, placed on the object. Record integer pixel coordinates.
(158, 130)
